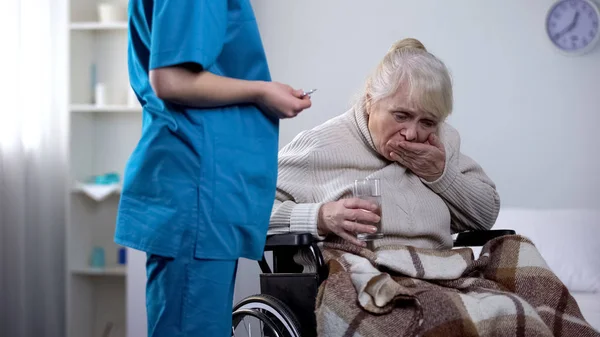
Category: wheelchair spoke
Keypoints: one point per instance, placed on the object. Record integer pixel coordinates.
(274, 318)
(251, 329)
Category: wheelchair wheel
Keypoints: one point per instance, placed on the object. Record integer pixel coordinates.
(273, 318)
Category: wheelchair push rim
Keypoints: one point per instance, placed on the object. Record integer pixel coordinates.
(279, 317)
(239, 316)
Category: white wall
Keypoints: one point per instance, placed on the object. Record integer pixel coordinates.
(525, 112)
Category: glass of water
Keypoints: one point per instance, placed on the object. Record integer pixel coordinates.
(370, 190)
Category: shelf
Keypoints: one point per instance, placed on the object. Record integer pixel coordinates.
(109, 271)
(90, 108)
(101, 139)
(91, 26)
(96, 191)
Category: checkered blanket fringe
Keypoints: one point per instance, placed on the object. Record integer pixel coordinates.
(405, 291)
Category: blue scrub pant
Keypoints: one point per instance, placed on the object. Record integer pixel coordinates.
(189, 297)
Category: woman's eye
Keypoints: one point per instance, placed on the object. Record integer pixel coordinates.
(428, 124)
(400, 117)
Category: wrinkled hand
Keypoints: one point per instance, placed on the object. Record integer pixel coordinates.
(341, 218)
(282, 101)
(426, 160)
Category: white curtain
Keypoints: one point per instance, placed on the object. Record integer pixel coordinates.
(33, 166)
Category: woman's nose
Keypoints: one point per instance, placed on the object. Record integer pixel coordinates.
(409, 133)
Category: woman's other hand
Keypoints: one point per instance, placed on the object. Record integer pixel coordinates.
(347, 217)
(426, 160)
(281, 100)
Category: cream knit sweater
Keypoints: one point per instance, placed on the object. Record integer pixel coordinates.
(320, 165)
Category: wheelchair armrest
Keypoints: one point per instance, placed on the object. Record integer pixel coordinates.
(480, 238)
(288, 240)
(284, 246)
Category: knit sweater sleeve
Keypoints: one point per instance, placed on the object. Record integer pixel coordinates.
(468, 192)
(293, 209)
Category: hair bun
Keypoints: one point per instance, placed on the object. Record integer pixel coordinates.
(408, 44)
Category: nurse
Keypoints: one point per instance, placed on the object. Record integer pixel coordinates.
(199, 186)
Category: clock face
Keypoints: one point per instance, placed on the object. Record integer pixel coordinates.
(572, 25)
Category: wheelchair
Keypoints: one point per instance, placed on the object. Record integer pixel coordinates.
(286, 305)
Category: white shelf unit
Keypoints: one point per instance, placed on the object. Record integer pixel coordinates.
(98, 25)
(113, 271)
(102, 138)
(114, 108)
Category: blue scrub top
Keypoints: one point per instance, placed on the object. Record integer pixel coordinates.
(209, 173)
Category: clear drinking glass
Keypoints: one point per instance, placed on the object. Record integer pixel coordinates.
(369, 189)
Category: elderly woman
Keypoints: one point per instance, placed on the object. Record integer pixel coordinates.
(397, 133)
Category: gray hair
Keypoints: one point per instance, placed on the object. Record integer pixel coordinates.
(409, 63)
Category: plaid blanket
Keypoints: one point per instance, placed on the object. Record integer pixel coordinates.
(405, 291)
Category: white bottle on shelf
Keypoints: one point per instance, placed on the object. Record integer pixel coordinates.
(100, 94)
(132, 100)
(110, 12)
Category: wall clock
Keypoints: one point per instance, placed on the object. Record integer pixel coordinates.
(572, 26)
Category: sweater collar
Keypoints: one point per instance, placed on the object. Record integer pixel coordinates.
(361, 118)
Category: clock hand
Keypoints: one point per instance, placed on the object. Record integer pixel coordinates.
(568, 28)
(575, 20)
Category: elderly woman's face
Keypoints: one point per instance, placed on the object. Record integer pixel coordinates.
(397, 118)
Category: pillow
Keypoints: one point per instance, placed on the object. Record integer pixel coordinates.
(569, 241)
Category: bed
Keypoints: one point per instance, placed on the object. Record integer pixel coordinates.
(569, 241)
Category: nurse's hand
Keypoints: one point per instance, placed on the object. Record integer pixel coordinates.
(281, 100)
(348, 217)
